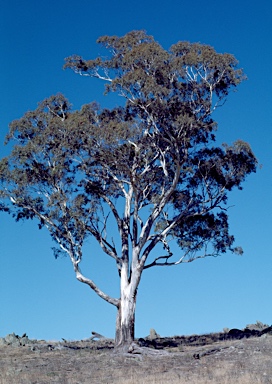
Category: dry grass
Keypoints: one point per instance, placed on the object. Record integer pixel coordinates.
(220, 375)
(246, 361)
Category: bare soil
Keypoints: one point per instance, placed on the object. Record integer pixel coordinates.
(192, 359)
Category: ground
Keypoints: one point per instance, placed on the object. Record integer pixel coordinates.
(214, 358)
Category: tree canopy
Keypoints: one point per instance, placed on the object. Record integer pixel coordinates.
(151, 165)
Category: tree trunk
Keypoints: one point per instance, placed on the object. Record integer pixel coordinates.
(125, 320)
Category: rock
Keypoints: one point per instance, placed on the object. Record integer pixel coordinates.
(16, 343)
(24, 340)
(15, 340)
(2, 341)
(259, 326)
(153, 334)
(11, 338)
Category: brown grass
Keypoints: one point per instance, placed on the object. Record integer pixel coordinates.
(247, 361)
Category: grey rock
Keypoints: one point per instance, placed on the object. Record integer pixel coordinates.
(24, 340)
(16, 343)
(15, 340)
(2, 341)
(153, 334)
(258, 326)
(11, 338)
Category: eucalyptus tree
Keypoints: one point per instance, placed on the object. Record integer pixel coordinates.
(140, 178)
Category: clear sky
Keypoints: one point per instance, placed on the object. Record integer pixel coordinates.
(40, 295)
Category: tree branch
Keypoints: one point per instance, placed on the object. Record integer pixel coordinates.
(94, 287)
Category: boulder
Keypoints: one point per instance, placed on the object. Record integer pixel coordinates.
(153, 334)
(12, 339)
(15, 340)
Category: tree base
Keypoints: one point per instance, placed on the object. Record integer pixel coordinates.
(125, 348)
(134, 350)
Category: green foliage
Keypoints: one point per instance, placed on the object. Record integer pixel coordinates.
(151, 163)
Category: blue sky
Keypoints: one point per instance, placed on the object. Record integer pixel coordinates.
(40, 295)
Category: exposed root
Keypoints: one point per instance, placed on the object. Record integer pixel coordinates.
(134, 350)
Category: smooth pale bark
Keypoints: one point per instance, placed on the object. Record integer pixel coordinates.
(125, 322)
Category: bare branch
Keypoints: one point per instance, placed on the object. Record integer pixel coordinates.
(181, 260)
(95, 288)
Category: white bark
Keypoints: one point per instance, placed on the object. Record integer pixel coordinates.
(126, 310)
